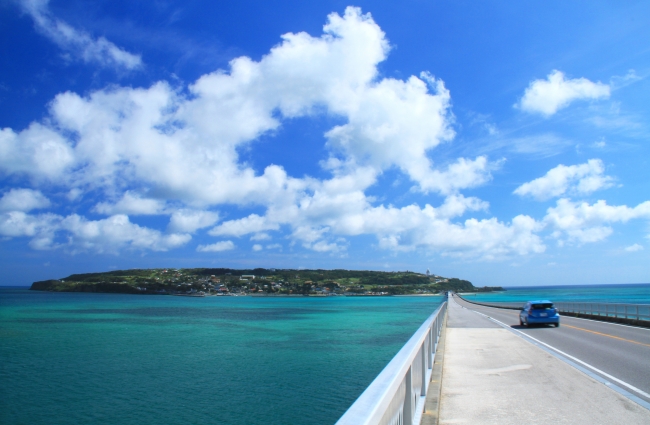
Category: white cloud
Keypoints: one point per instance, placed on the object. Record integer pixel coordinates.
(579, 179)
(395, 123)
(131, 203)
(38, 151)
(585, 223)
(618, 82)
(540, 145)
(216, 247)
(486, 239)
(117, 232)
(320, 220)
(184, 149)
(261, 237)
(79, 234)
(548, 96)
(634, 248)
(18, 223)
(186, 146)
(323, 246)
(74, 194)
(239, 227)
(79, 43)
(462, 174)
(23, 200)
(599, 144)
(257, 247)
(189, 221)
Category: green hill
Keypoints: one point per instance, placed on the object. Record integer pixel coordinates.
(256, 281)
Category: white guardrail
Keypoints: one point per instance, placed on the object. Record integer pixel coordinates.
(398, 393)
(623, 311)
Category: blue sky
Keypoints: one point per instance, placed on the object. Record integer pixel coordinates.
(501, 142)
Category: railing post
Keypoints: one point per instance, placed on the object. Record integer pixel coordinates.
(408, 399)
(423, 388)
(431, 347)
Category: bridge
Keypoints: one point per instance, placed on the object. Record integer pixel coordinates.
(475, 364)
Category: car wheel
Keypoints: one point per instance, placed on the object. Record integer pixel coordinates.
(557, 325)
(521, 323)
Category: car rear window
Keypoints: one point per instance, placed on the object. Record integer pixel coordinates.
(544, 306)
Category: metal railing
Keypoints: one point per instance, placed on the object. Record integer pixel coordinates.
(398, 393)
(624, 311)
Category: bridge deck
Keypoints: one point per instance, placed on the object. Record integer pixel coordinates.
(492, 376)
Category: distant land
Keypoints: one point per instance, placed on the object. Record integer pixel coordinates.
(258, 282)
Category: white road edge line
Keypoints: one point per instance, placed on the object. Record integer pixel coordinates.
(608, 376)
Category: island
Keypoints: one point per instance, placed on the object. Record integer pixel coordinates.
(259, 282)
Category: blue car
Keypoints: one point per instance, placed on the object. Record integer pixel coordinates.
(539, 312)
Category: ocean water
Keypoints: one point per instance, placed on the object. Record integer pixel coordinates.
(73, 358)
(620, 293)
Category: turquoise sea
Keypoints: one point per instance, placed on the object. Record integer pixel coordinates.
(619, 293)
(75, 358)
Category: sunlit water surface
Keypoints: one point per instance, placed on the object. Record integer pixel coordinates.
(622, 293)
(74, 358)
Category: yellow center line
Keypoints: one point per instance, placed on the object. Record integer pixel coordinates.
(607, 335)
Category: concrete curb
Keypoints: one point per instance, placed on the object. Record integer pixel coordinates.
(432, 403)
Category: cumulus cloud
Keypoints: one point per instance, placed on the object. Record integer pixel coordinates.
(19, 223)
(180, 146)
(186, 146)
(189, 221)
(23, 200)
(242, 226)
(131, 203)
(579, 179)
(319, 223)
(462, 174)
(583, 223)
(77, 42)
(257, 247)
(109, 235)
(37, 151)
(548, 96)
(117, 232)
(395, 123)
(216, 247)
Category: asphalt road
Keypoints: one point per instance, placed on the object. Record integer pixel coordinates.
(620, 351)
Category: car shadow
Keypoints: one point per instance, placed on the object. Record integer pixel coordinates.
(535, 326)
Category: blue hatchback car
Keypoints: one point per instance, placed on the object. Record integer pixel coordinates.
(539, 312)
